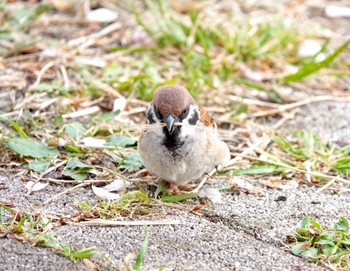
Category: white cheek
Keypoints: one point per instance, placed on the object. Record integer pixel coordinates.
(157, 130)
(189, 130)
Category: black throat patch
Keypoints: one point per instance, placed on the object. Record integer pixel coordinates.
(172, 141)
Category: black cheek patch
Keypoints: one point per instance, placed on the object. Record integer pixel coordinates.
(194, 118)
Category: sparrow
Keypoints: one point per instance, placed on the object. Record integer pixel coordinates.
(181, 143)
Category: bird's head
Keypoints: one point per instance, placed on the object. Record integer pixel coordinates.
(173, 104)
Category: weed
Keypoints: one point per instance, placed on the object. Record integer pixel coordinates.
(305, 152)
(127, 205)
(310, 68)
(37, 230)
(322, 245)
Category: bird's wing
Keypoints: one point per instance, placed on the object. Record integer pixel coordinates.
(206, 119)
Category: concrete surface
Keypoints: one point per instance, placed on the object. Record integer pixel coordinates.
(245, 232)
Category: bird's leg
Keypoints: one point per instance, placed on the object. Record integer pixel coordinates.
(174, 189)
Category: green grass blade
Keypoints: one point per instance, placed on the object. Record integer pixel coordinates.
(176, 198)
(311, 68)
(84, 253)
(15, 126)
(252, 84)
(259, 170)
(142, 252)
(6, 208)
(21, 223)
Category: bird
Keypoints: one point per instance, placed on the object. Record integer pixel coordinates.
(181, 142)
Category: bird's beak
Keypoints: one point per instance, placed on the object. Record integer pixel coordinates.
(170, 121)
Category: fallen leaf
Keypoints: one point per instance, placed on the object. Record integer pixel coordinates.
(62, 142)
(239, 182)
(292, 184)
(104, 194)
(273, 182)
(90, 264)
(102, 15)
(117, 185)
(62, 5)
(278, 182)
(309, 48)
(29, 147)
(35, 186)
(121, 141)
(334, 11)
(119, 104)
(39, 165)
(93, 142)
(76, 170)
(246, 186)
(212, 193)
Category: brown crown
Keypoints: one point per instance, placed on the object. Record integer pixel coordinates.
(172, 100)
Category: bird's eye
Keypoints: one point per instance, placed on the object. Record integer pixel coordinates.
(185, 111)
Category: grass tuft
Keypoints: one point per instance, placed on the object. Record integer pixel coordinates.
(37, 230)
(322, 245)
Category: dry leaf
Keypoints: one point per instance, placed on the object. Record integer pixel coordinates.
(104, 194)
(273, 182)
(246, 186)
(93, 142)
(278, 182)
(119, 104)
(35, 186)
(62, 5)
(117, 185)
(90, 264)
(334, 11)
(102, 15)
(309, 48)
(212, 193)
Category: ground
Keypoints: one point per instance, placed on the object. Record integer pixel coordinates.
(64, 83)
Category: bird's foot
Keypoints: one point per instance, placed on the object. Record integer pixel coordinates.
(174, 189)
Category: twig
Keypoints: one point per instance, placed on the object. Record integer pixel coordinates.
(42, 72)
(44, 105)
(251, 101)
(83, 112)
(59, 181)
(286, 107)
(28, 99)
(105, 222)
(65, 192)
(91, 39)
(50, 169)
(65, 76)
(206, 177)
(91, 61)
(325, 186)
(113, 92)
(286, 117)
